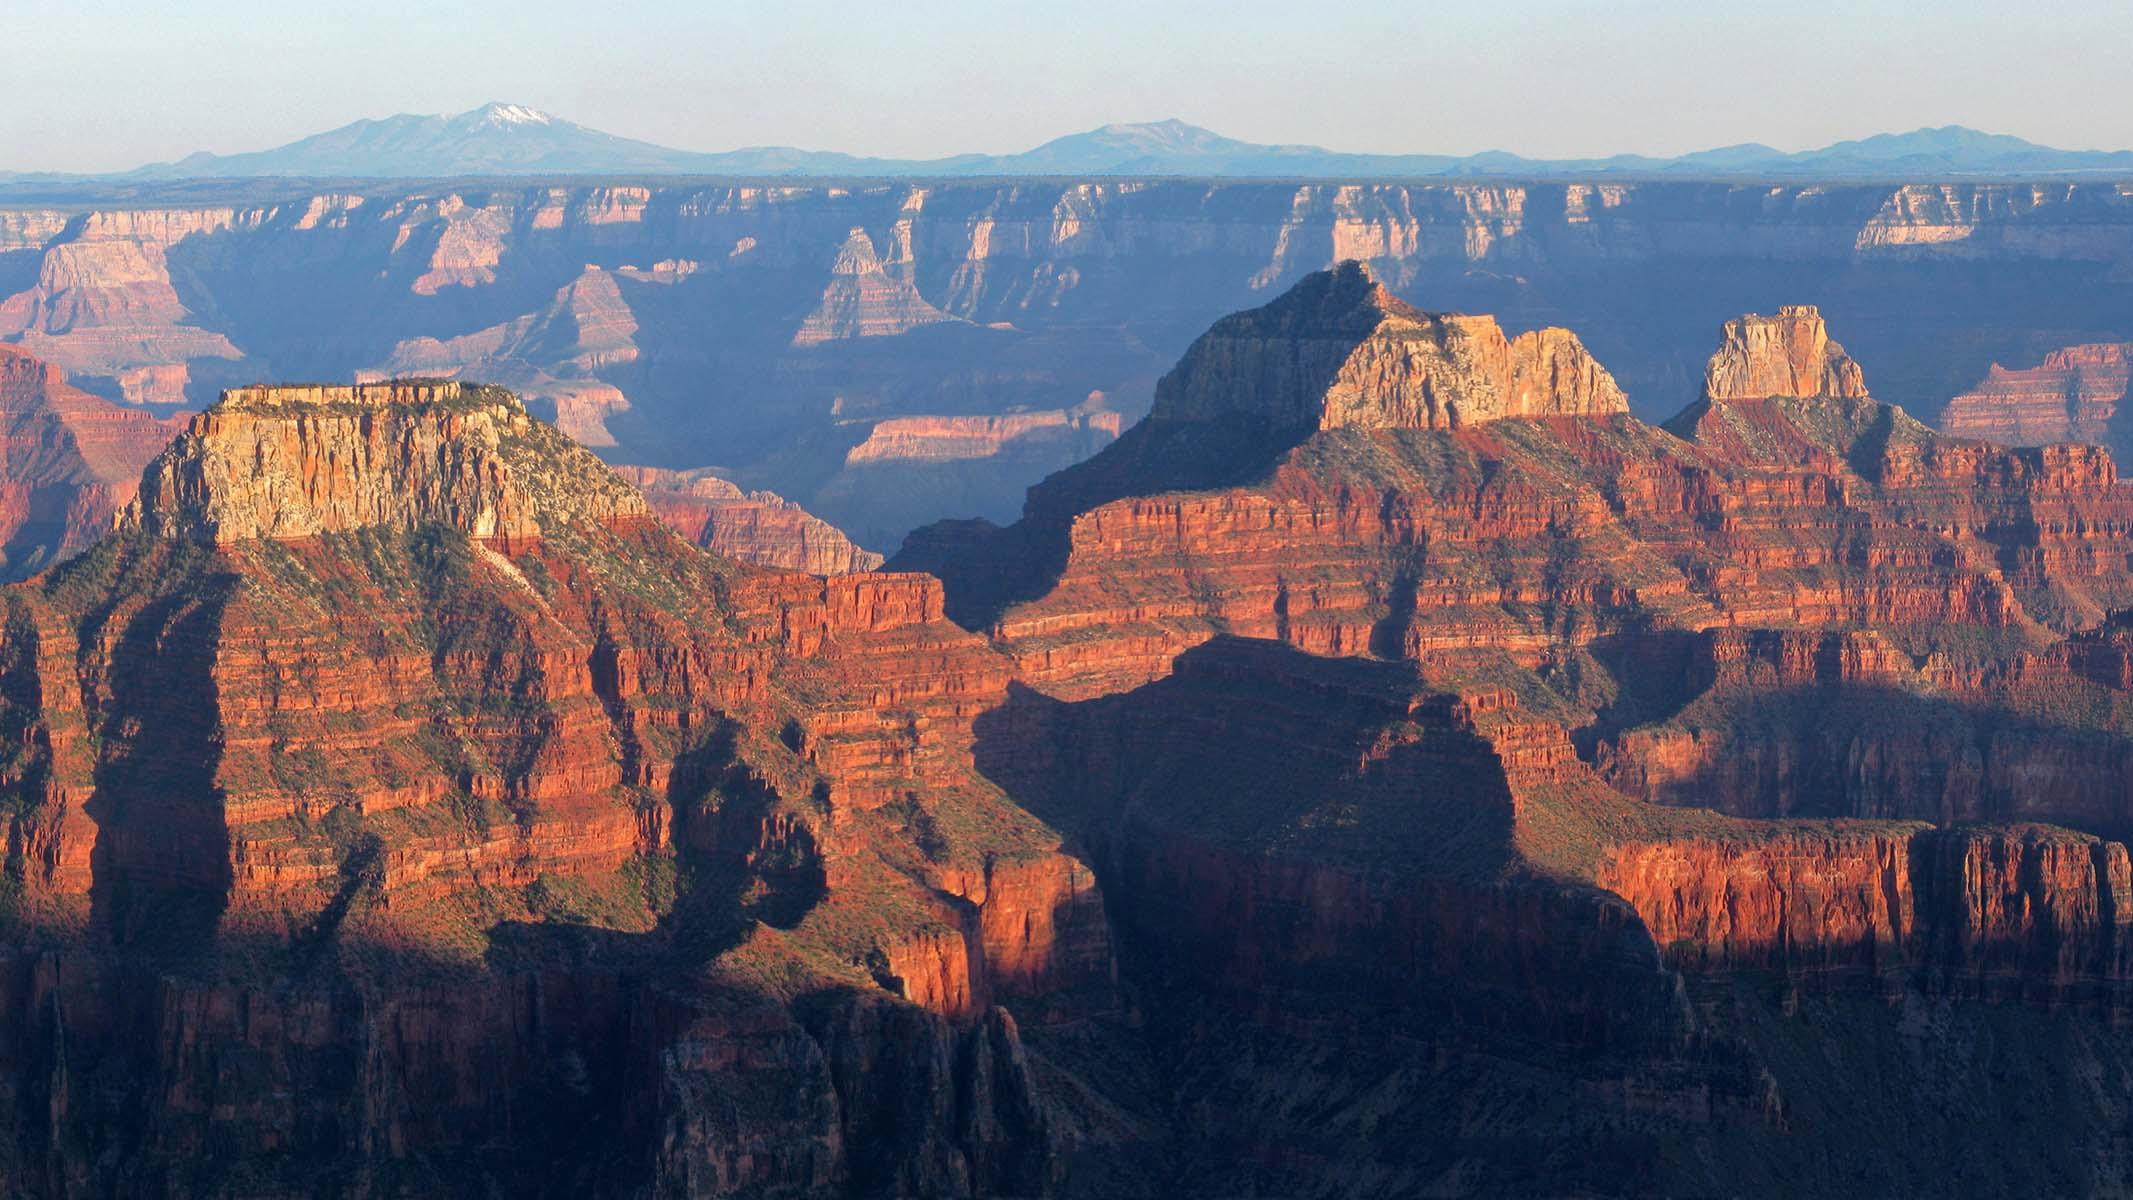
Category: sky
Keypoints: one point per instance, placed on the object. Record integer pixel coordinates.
(94, 85)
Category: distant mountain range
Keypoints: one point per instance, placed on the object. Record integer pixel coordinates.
(511, 139)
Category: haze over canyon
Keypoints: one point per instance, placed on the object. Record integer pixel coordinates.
(1092, 683)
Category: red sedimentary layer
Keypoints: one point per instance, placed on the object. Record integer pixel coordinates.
(1812, 605)
(431, 648)
(948, 438)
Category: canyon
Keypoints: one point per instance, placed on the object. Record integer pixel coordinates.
(796, 336)
(1390, 766)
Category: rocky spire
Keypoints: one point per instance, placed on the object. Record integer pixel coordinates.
(1340, 350)
(1789, 355)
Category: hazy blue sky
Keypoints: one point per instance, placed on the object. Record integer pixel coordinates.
(102, 84)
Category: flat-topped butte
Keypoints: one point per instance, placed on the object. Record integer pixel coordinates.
(297, 461)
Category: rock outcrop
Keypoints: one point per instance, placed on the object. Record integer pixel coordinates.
(755, 527)
(1449, 788)
(1788, 355)
(555, 356)
(105, 302)
(391, 748)
(862, 300)
(297, 462)
(1537, 537)
(984, 298)
(910, 468)
(1309, 851)
(1341, 351)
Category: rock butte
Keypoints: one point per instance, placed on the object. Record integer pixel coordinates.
(376, 691)
(1340, 351)
(1793, 602)
(1390, 768)
(1790, 354)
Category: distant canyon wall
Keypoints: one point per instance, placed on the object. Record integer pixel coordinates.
(849, 344)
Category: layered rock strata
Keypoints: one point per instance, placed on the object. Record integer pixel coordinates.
(2072, 396)
(395, 734)
(755, 527)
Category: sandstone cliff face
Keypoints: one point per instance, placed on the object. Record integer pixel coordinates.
(1790, 354)
(1307, 852)
(862, 300)
(391, 792)
(2021, 912)
(1537, 537)
(105, 303)
(1340, 351)
(71, 460)
(754, 527)
(910, 468)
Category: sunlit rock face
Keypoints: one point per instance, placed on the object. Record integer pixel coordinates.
(754, 527)
(295, 462)
(1341, 351)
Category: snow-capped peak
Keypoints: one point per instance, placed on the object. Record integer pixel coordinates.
(510, 114)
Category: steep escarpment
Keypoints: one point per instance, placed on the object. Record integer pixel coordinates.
(1873, 649)
(910, 470)
(105, 302)
(71, 461)
(862, 299)
(298, 462)
(1338, 796)
(1790, 354)
(554, 356)
(390, 747)
(1546, 540)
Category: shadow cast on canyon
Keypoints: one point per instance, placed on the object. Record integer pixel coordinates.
(1877, 751)
(160, 866)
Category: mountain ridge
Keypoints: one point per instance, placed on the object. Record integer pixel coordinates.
(501, 138)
